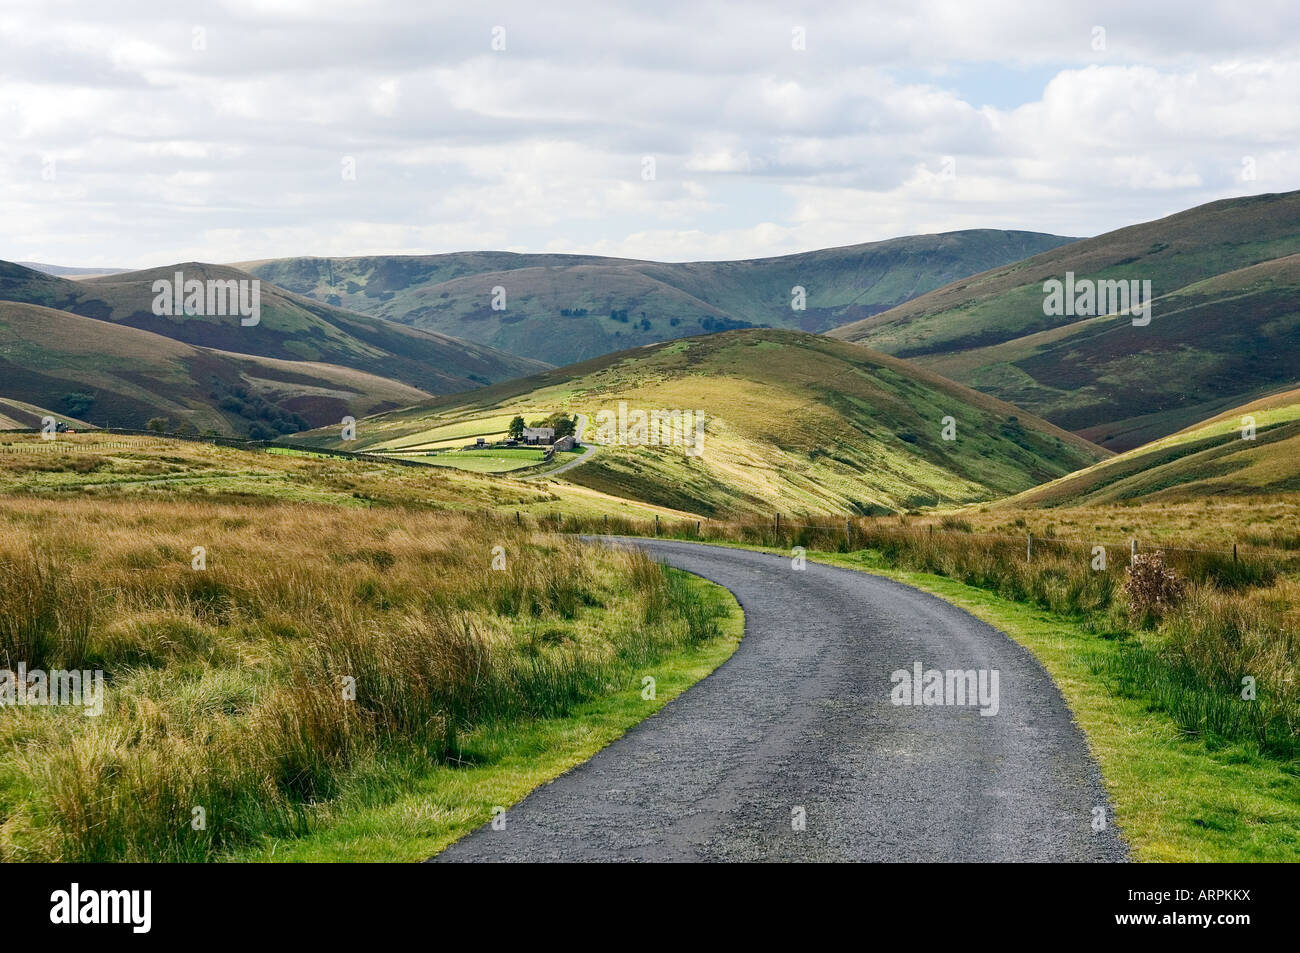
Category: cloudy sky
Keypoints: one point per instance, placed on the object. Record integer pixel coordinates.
(145, 133)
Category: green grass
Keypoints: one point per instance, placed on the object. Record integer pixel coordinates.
(493, 461)
(450, 292)
(405, 811)
(1208, 460)
(315, 654)
(793, 421)
(1224, 324)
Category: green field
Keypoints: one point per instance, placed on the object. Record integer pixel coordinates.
(494, 461)
(795, 422)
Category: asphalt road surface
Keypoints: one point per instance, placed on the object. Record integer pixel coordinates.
(797, 730)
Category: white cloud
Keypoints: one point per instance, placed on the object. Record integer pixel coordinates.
(233, 151)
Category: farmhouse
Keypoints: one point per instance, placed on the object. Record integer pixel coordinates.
(539, 435)
(565, 443)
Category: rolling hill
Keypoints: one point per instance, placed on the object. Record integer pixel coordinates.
(291, 328)
(1225, 324)
(795, 422)
(1211, 459)
(95, 370)
(565, 308)
(20, 415)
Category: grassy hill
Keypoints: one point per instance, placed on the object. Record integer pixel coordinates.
(291, 328)
(796, 423)
(81, 367)
(20, 415)
(1209, 460)
(1225, 324)
(566, 308)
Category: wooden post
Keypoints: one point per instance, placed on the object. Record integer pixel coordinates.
(1234, 553)
(1029, 547)
(1132, 551)
(518, 521)
(778, 522)
(697, 527)
(656, 524)
(606, 521)
(848, 537)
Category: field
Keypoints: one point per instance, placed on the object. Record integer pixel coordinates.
(321, 664)
(494, 461)
(99, 466)
(794, 421)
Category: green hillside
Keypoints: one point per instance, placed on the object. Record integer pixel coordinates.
(565, 308)
(1211, 459)
(80, 367)
(291, 328)
(795, 422)
(20, 415)
(1225, 324)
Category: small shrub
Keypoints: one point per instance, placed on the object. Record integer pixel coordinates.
(1152, 587)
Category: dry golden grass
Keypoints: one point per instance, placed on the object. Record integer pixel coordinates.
(227, 686)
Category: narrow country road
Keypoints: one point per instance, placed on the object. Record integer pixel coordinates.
(799, 724)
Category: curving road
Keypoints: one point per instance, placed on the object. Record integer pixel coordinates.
(800, 718)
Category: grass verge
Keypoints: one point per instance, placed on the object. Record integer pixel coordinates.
(400, 811)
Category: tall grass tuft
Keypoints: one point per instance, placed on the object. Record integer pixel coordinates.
(316, 643)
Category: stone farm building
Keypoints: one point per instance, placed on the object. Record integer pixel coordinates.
(539, 435)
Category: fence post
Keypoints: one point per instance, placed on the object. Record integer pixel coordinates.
(1234, 554)
(606, 521)
(656, 524)
(1132, 551)
(778, 522)
(848, 538)
(697, 527)
(1029, 547)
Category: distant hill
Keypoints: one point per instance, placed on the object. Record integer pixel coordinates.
(68, 272)
(1225, 324)
(796, 423)
(291, 328)
(107, 373)
(20, 415)
(1210, 459)
(565, 308)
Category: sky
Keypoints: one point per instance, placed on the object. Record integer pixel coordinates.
(138, 134)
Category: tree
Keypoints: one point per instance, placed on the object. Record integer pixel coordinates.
(157, 424)
(564, 425)
(77, 403)
(517, 428)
